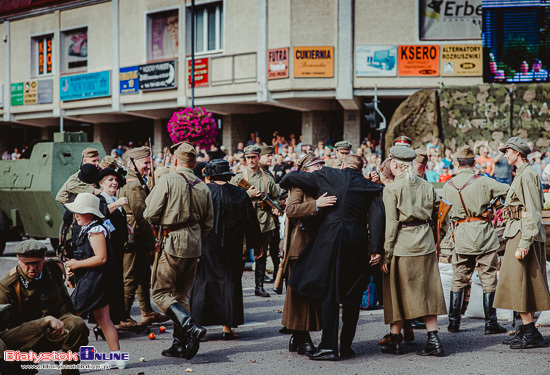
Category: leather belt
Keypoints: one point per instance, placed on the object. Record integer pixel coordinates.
(414, 223)
(173, 228)
(474, 218)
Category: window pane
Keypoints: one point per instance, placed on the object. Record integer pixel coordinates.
(211, 29)
(199, 34)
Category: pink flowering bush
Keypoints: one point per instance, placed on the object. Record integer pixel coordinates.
(193, 125)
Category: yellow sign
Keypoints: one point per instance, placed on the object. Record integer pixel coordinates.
(30, 92)
(461, 60)
(314, 62)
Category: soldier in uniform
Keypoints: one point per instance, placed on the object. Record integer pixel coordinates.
(74, 185)
(137, 263)
(420, 162)
(522, 286)
(108, 162)
(475, 239)
(343, 149)
(182, 204)
(43, 313)
(266, 158)
(262, 182)
(412, 286)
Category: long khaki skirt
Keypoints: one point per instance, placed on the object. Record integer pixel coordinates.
(522, 284)
(300, 313)
(413, 288)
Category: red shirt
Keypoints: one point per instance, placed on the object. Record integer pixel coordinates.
(445, 177)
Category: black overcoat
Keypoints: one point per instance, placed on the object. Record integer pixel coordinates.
(341, 244)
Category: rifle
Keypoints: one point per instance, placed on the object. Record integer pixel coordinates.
(140, 177)
(278, 284)
(158, 253)
(65, 250)
(444, 208)
(152, 164)
(264, 197)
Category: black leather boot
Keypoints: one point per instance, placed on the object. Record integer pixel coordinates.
(191, 332)
(394, 346)
(433, 345)
(259, 275)
(530, 338)
(517, 335)
(455, 311)
(178, 345)
(306, 344)
(491, 323)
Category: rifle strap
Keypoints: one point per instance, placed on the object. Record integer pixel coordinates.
(18, 292)
(264, 178)
(470, 180)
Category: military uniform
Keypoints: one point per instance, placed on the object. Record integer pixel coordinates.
(182, 205)
(137, 263)
(337, 163)
(266, 184)
(34, 299)
(412, 288)
(522, 286)
(73, 185)
(475, 239)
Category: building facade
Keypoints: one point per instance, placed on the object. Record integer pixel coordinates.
(118, 69)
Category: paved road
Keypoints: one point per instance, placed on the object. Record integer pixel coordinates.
(262, 350)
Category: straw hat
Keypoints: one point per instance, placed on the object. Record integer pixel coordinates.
(85, 203)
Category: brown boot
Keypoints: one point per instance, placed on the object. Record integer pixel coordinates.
(127, 324)
(153, 317)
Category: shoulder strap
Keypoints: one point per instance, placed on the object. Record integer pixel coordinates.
(18, 292)
(245, 173)
(191, 184)
(470, 180)
(265, 179)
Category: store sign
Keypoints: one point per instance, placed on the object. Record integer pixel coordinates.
(44, 91)
(461, 60)
(201, 72)
(450, 19)
(422, 61)
(129, 80)
(376, 61)
(45, 55)
(30, 93)
(157, 76)
(314, 62)
(17, 93)
(85, 86)
(277, 63)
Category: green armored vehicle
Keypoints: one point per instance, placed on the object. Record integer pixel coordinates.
(28, 186)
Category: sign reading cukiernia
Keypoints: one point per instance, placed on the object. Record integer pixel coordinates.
(314, 62)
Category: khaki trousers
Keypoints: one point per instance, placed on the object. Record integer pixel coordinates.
(463, 268)
(174, 279)
(137, 279)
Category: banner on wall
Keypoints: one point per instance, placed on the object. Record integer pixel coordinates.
(376, 61)
(157, 76)
(201, 72)
(422, 61)
(85, 86)
(461, 60)
(450, 19)
(164, 35)
(314, 62)
(277, 63)
(129, 80)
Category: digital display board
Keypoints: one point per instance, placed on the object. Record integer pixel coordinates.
(516, 41)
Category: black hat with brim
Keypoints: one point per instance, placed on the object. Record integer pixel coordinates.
(217, 168)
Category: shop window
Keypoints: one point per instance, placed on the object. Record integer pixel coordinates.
(74, 50)
(42, 55)
(208, 27)
(162, 35)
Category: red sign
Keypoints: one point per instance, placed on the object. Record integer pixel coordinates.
(277, 63)
(201, 72)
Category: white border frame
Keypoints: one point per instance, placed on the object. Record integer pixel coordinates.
(34, 75)
(217, 52)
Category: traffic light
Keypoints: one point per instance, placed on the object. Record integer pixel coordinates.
(372, 117)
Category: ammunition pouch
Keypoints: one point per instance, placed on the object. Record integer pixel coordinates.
(513, 212)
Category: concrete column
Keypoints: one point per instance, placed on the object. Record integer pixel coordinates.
(105, 134)
(352, 128)
(315, 127)
(158, 143)
(344, 54)
(234, 130)
(262, 94)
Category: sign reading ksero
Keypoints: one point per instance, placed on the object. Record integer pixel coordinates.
(418, 61)
(314, 62)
